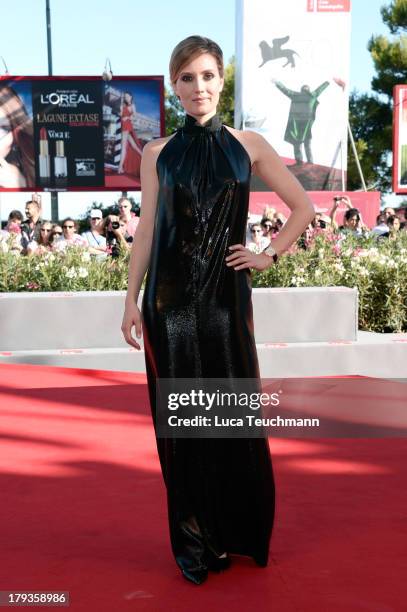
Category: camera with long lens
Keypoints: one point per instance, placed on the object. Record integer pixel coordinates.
(111, 240)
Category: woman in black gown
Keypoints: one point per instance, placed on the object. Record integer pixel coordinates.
(197, 311)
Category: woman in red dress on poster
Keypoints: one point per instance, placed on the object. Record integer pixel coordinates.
(131, 151)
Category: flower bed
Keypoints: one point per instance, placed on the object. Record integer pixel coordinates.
(378, 268)
(72, 270)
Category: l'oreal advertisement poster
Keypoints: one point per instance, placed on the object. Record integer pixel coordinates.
(77, 133)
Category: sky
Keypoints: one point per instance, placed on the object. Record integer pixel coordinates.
(138, 37)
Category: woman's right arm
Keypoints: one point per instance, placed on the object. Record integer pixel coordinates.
(332, 215)
(141, 248)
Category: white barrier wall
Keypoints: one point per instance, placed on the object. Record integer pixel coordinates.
(91, 319)
(299, 332)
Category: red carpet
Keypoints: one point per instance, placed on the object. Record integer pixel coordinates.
(83, 508)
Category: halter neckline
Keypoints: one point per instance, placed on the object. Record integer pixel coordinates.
(213, 124)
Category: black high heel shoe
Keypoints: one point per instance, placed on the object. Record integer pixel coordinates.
(197, 576)
(215, 563)
(261, 560)
(192, 562)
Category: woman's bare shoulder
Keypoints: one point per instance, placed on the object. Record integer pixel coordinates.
(246, 136)
(251, 141)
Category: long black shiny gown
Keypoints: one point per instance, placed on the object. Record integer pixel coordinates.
(197, 322)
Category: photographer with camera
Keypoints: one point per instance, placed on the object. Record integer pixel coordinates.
(352, 220)
(321, 223)
(117, 238)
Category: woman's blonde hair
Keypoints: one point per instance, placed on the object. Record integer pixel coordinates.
(269, 213)
(190, 48)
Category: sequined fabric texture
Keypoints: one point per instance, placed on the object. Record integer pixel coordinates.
(197, 322)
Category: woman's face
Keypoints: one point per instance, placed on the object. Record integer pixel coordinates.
(198, 86)
(396, 224)
(127, 98)
(46, 230)
(6, 134)
(267, 227)
(353, 222)
(257, 233)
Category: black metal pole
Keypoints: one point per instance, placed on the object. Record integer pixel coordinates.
(54, 194)
(49, 45)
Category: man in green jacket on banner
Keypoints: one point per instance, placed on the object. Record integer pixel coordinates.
(301, 118)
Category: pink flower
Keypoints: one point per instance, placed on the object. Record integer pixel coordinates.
(14, 228)
(32, 285)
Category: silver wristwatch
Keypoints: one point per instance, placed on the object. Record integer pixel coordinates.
(271, 253)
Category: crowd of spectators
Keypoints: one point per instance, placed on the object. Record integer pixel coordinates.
(388, 223)
(33, 235)
(114, 233)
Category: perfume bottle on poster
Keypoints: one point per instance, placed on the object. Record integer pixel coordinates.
(60, 163)
(44, 162)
